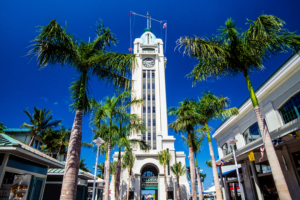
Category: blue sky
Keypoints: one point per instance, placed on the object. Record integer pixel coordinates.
(24, 86)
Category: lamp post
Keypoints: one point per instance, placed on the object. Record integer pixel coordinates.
(98, 142)
(232, 142)
(121, 194)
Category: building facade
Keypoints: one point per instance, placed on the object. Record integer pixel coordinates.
(148, 77)
(279, 99)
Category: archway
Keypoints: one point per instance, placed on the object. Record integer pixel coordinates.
(149, 182)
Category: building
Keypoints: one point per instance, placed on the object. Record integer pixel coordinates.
(23, 170)
(279, 99)
(25, 134)
(148, 78)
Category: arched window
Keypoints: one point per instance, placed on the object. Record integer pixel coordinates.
(252, 133)
(227, 149)
(291, 109)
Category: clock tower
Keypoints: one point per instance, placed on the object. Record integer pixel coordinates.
(148, 78)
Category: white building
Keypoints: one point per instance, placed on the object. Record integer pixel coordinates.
(279, 99)
(149, 84)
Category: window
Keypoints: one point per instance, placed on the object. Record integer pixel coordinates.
(149, 122)
(154, 122)
(148, 85)
(153, 109)
(149, 136)
(153, 85)
(144, 85)
(148, 74)
(144, 136)
(148, 97)
(291, 109)
(153, 97)
(144, 74)
(144, 97)
(153, 75)
(144, 109)
(252, 133)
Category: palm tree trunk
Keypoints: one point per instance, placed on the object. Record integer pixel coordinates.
(192, 172)
(178, 187)
(118, 176)
(33, 137)
(277, 173)
(166, 187)
(69, 185)
(199, 184)
(128, 186)
(49, 154)
(58, 151)
(106, 174)
(214, 167)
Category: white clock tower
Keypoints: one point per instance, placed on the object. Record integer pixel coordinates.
(149, 83)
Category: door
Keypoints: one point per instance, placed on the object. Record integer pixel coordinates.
(36, 188)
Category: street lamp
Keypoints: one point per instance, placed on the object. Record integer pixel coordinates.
(98, 142)
(232, 142)
(121, 183)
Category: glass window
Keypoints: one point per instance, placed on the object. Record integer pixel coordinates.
(154, 122)
(149, 122)
(227, 149)
(153, 86)
(153, 109)
(148, 85)
(148, 97)
(149, 136)
(144, 97)
(153, 97)
(144, 75)
(291, 109)
(144, 109)
(252, 133)
(144, 136)
(144, 85)
(153, 75)
(149, 109)
(148, 74)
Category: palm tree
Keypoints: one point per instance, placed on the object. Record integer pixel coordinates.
(49, 138)
(211, 107)
(164, 158)
(186, 122)
(178, 170)
(199, 142)
(63, 140)
(100, 169)
(233, 52)
(113, 170)
(2, 127)
(83, 166)
(128, 162)
(39, 121)
(208, 163)
(111, 109)
(55, 45)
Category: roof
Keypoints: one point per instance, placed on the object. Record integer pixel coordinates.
(262, 85)
(17, 130)
(81, 173)
(23, 150)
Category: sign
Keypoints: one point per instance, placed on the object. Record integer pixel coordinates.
(251, 156)
(145, 180)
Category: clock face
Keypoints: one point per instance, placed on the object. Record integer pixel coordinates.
(148, 62)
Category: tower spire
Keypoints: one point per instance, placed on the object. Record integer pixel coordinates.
(148, 29)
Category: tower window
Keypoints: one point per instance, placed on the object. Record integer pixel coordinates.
(148, 97)
(153, 75)
(153, 109)
(149, 109)
(144, 85)
(149, 122)
(153, 85)
(144, 97)
(153, 97)
(144, 75)
(154, 122)
(148, 74)
(148, 85)
(144, 109)
(149, 136)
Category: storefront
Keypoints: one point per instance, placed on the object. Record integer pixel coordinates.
(99, 186)
(23, 170)
(54, 183)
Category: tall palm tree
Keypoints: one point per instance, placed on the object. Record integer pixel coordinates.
(211, 107)
(63, 140)
(164, 158)
(208, 163)
(113, 170)
(100, 169)
(55, 45)
(112, 109)
(186, 122)
(178, 170)
(128, 162)
(233, 52)
(40, 120)
(82, 165)
(125, 128)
